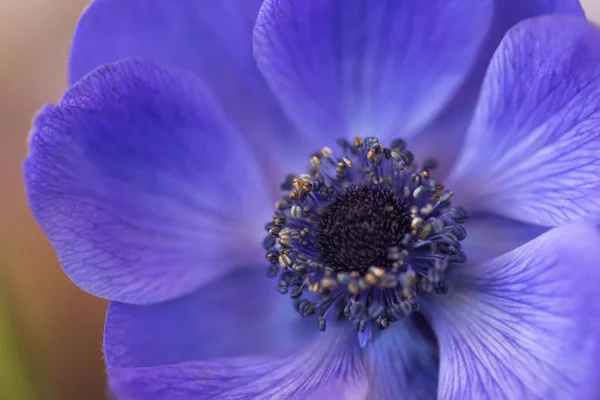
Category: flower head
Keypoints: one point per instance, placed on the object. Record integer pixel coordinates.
(428, 173)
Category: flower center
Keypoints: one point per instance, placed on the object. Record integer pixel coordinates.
(356, 229)
(362, 236)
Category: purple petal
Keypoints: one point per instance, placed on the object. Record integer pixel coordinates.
(210, 38)
(239, 314)
(443, 137)
(401, 364)
(328, 368)
(489, 236)
(526, 324)
(143, 188)
(533, 150)
(367, 67)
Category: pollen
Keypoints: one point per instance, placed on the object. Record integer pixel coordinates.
(363, 235)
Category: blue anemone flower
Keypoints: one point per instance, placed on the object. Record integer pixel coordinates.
(155, 174)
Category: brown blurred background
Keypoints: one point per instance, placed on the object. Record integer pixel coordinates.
(54, 330)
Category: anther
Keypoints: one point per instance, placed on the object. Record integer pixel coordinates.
(364, 234)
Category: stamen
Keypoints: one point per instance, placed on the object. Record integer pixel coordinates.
(362, 236)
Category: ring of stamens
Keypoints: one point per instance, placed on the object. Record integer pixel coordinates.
(362, 236)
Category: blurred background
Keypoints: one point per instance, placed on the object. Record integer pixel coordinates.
(50, 332)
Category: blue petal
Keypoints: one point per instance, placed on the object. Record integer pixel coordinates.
(525, 325)
(143, 188)
(401, 364)
(533, 150)
(239, 314)
(443, 137)
(328, 368)
(367, 67)
(489, 236)
(210, 38)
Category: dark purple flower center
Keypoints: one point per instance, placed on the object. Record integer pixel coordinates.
(356, 228)
(360, 237)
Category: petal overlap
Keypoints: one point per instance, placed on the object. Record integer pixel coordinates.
(533, 150)
(401, 363)
(444, 136)
(489, 236)
(328, 368)
(142, 186)
(212, 39)
(525, 325)
(367, 67)
(240, 314)
(199, 35)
